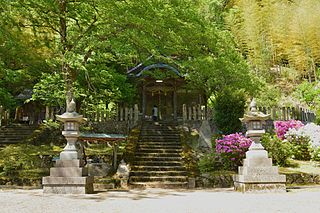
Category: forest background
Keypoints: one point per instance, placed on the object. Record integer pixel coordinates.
(269, 49)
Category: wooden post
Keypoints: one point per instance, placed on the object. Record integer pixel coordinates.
(199, 113)
(131, 114)
(203, 109)
(47, 113)
(184, 112)
(1, 115)
(189, 113)
(284, 114)
(293, 113)
(126, 113)
(289, 113)
(274, 114)
(121, 113)
(144, 101)
(136, 113)
(174, 104)
(194, 113)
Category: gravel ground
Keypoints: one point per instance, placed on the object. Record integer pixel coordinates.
(304, 200)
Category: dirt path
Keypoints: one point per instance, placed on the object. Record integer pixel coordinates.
(156, 200)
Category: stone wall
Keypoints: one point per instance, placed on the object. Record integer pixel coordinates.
(221, 180)
(110, 127)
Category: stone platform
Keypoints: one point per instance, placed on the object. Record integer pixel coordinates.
(68, 177)
(258, 175)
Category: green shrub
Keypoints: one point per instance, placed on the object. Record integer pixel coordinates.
(301, 148)
(209, 163)
(48, 133)
(280, 151)
(21, 157)
(228, 107)
(316, 154)
(301, 144)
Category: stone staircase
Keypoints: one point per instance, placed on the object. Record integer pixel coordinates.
(158, 162)
(15, 133)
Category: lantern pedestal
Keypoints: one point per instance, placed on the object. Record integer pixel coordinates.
(69, 176)
(258, 175)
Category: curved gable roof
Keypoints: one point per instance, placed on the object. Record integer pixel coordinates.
(159, 65)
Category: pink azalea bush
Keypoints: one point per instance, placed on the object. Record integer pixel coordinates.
(283, 126)
(232, 148)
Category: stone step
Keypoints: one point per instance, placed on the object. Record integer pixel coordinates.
(160, 142)
(143, 154)
(152, 158)
(164, 185)
(159, 146)
(147, 150)
(158, 178)
(69, 163)
(158, 173)
(160, 136)
(15, 134)
(157, 168)
(159, 133)
(68, 172)
(258, 170)
(157, 163)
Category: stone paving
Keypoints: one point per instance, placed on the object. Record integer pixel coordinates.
(303, 199)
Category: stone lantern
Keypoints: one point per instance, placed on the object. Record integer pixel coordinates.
(257, 173)
(255, 122)
(71, 121)
(69, 175)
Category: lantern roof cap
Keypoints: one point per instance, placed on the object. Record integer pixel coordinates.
(254, 114)
(71, 117)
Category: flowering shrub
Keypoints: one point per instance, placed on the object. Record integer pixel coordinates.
(232, 148)
(283, 126)
(280, 151)
(301, 144)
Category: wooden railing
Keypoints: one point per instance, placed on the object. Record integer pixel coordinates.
(196, 113)
(4, 116)
(289, 113)
(129, 114)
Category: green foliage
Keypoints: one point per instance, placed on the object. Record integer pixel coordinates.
(278, 38)
(209, 163)
(316, 154)
(301, 148)
(92, 44)
(47, 133)
(228, 107)
(17, 158)
(309, 93)
(53, 83)
(280, 151)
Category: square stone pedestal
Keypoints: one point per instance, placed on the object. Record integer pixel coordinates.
(258, 175)
(68, 177)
